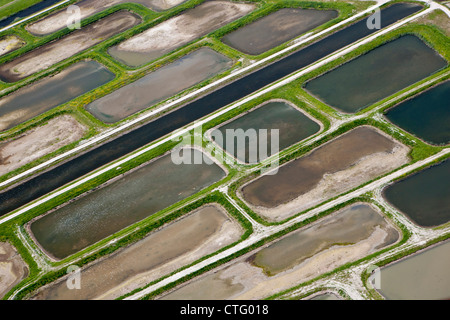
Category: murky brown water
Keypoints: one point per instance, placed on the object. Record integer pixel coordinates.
(162, 252)
(159, 85)
(68, 46)
(350, 226)
(12, 268)
(276, 28)
(178, 31)
(50, 92)
(133, 197)
(301, 175)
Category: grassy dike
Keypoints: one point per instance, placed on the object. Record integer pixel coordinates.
(373, 293)
(143, 231)
(291, 92)
(10, 7)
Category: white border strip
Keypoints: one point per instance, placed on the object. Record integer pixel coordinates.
(33, 15)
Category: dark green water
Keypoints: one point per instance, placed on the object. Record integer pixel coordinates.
(377, 74)
(276, 28)
(132, 198)
(426, 115)
(425, 196)
(292, 124)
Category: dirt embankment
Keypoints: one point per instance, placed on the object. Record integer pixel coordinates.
(12, 268)
(68, 46)
(10, 43)
(88, 8)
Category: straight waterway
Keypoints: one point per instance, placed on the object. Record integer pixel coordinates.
(58, 176)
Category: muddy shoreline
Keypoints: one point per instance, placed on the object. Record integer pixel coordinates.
(178, 31)
(331, 169)
(200, 232)
(58, 50)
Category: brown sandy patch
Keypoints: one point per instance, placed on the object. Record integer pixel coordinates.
(39, 142)
(61, 49)
(180, 30)
(10, 43)
(344, 163)
(159, 85)
(12, 268)
(437, 18)
(58, 20)
(202, 232)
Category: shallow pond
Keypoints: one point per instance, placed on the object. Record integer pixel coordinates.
(159, 85)
(377, 74)
(347, 235)
(426, 115)
(344, 163)
(425, 196)
(199, 233)
(350, 226)
(133, 197)
(178, 31)
(422, 276)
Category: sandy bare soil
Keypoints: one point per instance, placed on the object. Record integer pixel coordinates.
(58, 20)
(323, 174)
(182, 29)
(276, 28)
(39, 142)
(56, 51)
(201, 232)
(10, 43)
(12, 268)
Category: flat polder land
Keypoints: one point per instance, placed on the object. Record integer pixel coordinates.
(90, 173)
